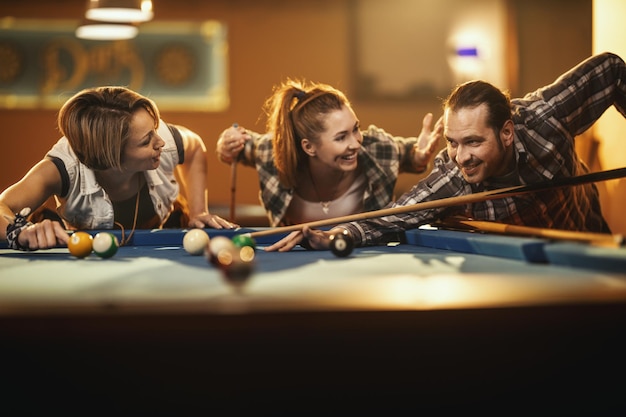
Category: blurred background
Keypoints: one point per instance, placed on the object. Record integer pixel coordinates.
(211, 63)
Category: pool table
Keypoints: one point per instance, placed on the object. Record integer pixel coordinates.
(440, 322)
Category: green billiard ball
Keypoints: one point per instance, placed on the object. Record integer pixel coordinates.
(105, 244)
(244, 240)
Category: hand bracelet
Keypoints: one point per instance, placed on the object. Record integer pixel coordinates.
(15, 228)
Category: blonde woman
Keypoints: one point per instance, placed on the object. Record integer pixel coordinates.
(115, 166)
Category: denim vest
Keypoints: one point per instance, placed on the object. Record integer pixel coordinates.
(87, 205)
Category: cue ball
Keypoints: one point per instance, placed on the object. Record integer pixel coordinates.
(341, 244)
(196, 241)
(80, 244)
(105, 244)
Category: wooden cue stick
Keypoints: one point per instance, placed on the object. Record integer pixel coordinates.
(233, 184)
(452, 201)
(233, 189)
(600, 239)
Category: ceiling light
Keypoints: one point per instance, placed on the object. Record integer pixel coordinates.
(106, 31)
(119, 10)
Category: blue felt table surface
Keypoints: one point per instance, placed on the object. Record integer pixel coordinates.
(156, 273)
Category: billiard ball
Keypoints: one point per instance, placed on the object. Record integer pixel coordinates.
(196, 241)
(105, 244)
(341, 244)
(217, 244)
(247, 254)
(236, 265)
(80, 244)
(244, 240)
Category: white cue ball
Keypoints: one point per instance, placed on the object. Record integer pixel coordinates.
(196, 241)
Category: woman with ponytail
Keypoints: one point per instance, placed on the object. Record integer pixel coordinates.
(315, 162)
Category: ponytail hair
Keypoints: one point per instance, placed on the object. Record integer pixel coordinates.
(296, 111)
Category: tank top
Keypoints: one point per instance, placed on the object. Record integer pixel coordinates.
(351, 202)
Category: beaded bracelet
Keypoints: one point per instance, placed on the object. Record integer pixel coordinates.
(15, 227)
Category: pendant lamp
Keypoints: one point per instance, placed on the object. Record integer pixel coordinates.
(106, 31)
(135, 11)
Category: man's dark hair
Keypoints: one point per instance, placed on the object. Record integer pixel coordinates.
(475, 93)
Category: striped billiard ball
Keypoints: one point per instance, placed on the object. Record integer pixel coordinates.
(105, 244)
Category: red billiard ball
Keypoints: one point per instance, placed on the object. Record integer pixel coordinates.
(80, 244)
(341, 244)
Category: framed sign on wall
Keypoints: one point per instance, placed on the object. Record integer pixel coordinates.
(180, 65)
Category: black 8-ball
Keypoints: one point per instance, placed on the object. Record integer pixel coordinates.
(341, 244)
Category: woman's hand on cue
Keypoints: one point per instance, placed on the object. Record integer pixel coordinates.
(317, 240)
(230, 143)
(287, 243)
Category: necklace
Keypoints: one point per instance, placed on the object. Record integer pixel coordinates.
(125, 239)
(325, 204)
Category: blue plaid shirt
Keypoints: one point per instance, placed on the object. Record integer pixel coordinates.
(546, 123)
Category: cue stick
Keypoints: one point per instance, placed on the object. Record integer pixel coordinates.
(233, 189)
(599, 239)
(233, 185)
(453, 201)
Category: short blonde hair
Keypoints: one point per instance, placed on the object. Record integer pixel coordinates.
(96, 122)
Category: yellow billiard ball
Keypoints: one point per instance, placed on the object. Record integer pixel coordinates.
(80, 244)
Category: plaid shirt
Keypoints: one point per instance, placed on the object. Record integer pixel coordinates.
(546, 123)
(382, 157)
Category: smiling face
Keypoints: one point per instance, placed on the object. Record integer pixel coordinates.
(338, 145)
(142, 151)
(474, 146)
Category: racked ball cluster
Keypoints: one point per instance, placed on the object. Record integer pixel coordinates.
(234, 257)
(103, 244)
